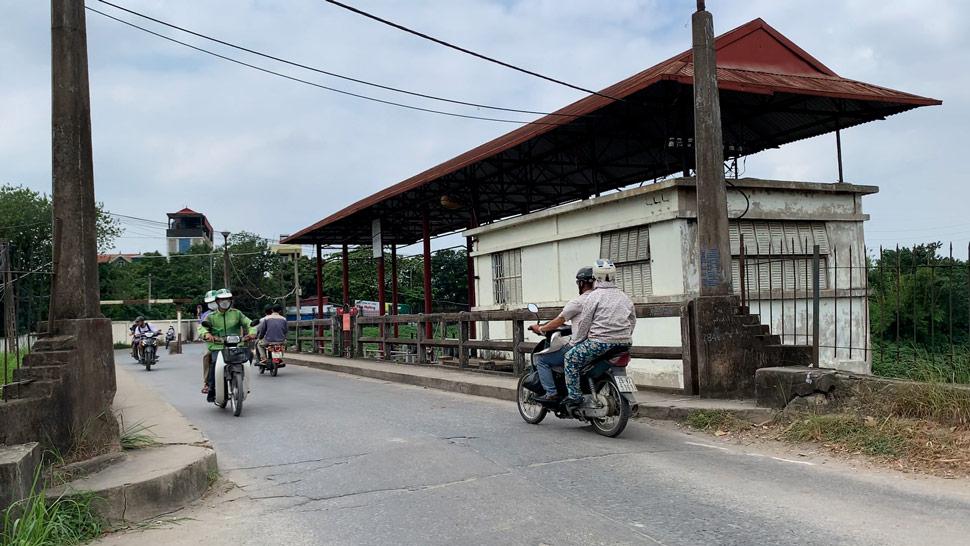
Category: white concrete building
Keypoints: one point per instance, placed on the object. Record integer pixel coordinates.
(650, 233)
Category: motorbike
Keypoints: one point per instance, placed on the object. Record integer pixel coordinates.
(169, 336)
(232, 385)
(274, 359)
(148, 350)
(609, 394)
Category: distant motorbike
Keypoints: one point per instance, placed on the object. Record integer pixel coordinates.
(232, 383)
(609, 395)
(148, 350)
(274, 359)
(169, 336)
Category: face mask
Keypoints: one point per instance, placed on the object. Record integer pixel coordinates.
(213, 306)
(225, 304)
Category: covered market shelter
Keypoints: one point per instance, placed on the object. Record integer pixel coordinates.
(638, 130)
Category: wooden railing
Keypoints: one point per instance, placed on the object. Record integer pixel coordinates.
(320, 336)
(420, 347)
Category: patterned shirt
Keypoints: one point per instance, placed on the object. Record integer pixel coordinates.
(608, 316)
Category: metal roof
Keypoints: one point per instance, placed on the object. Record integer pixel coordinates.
(772, 92)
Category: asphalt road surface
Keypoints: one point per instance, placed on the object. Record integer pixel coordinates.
(325, 458)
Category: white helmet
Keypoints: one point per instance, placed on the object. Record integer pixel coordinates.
(604, 270)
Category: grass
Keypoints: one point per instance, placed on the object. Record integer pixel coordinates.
(138, 436)
(10, 363)
(716, 421)
(940, 364)
(879, 437)
(40, 521)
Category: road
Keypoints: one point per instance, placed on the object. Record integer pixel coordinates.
(324, 458)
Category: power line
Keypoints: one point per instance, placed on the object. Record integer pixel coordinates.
(329, 73)
(466, 51)
(314, 84)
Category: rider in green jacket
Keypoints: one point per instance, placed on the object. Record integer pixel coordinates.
(224, 321)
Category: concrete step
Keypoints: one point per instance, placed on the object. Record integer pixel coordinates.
(749, 319)
(39, 373)
(55, 343)
(757, 329)
(769, 339)
(146, 483)
(47, 358)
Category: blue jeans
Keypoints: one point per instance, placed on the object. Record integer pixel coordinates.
(544, 365)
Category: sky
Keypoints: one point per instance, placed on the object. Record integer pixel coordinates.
(173, 127)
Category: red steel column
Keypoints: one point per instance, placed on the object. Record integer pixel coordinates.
(471, 283)
(426, 236)
(346, 275)
(394, 285)
(319, 329)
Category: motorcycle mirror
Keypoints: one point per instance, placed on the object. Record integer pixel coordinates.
(254, 323)
(533, 308)
(207, 324)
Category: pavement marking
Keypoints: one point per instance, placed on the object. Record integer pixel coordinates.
(793, 461)
(708, 445)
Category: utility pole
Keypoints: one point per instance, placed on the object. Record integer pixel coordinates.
(149, 291)
(75, 281)
(211, 278)
(225, 259)
(712, 219)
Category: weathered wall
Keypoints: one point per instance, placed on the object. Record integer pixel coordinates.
(557, 242)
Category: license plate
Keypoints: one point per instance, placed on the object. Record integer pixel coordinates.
(277, 355)
(625, 383)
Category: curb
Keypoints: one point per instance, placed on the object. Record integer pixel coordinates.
(659, 410)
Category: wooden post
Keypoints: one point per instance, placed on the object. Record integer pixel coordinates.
(464, 322)
(381, 297)
(518, 336)
(296, 291)
(421, 337)
(689, 347)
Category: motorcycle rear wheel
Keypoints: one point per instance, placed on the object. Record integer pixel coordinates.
(619, 411)
(531, 411)
(274, 370)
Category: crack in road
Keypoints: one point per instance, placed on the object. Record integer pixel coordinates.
(340, 460)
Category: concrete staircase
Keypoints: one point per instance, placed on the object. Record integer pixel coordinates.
(775, 352)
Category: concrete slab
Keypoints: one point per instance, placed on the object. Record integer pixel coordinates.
(17, 466)
(145, 483)
(653, 404)
(136, 404)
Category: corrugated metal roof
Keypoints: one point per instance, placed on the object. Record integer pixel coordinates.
(753, 60)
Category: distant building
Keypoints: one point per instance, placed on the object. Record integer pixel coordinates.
(117, 258)
(186, 228)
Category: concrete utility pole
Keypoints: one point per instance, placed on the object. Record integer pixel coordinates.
(225, 260)
(75, 281)
(712, 218)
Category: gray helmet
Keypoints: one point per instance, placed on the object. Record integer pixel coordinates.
(139, 318)
(585, 274)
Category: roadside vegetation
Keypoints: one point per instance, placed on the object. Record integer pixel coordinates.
(41, 521)
(920, 428)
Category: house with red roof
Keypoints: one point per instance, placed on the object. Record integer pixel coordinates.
(187, 228)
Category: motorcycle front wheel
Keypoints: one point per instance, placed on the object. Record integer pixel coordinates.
(237, 394)
(618, 410)
(530, 410)
(148, 358)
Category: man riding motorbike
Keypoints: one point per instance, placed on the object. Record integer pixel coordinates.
(547, 361)
(139, 329)
(224, 321)
(210, 302)
(272, 330)
(606, 322)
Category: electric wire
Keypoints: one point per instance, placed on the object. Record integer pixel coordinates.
(314, 84)
(466, 51)
(329, 73)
